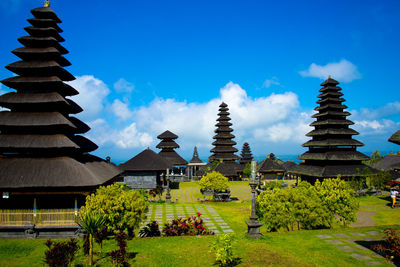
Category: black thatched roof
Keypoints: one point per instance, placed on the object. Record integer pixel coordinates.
(147, 160)
(395, 138)
(167, 146)
(387, 163)
(245, 156)
(224, 149)
(270, 165)
(55, 172)
(173, 157)
(167, 135)
(195, 159)
(289, 165)
(332, 150)
(229, 169)
(39, 145)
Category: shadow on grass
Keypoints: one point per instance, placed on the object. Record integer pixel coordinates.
(371, 245)
(236, 261)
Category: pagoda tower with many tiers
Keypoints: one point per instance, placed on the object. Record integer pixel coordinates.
(224, 150)
(44, 159)
(168, 146)
(245, 156)
(332, 150)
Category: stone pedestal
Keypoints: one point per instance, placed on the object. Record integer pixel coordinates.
(168, 194)
(253, 225)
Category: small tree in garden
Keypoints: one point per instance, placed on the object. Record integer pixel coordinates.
(339, 198)
(119, 256)
(60, 254)
(391, 245)
(222, 247)
(247, 170)
(214, 181)
(121, 207)
(91, 223)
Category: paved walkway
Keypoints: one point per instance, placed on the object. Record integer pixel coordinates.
(166, 212)
(356, 244)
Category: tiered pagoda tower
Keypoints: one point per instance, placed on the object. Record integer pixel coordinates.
(332, 150)
(224, 150)
(195, 158)
(195, 164)
(44, 160)
(168, 146)
(245, 156)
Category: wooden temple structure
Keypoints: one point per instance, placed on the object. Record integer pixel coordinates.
(146, 170)
(44, 160)
(332, 150)
(271, 168)
(224, 150)
(168, 146)
(245, 155)
(195, 165)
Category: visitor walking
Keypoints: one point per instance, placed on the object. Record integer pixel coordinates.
(393, 194)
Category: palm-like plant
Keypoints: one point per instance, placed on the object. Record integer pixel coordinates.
(91, 223)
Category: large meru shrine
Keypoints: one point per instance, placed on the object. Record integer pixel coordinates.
(46, 165)
(45, 161)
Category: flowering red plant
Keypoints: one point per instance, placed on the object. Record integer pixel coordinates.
(190, 226)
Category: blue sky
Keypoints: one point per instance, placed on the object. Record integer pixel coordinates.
(143, 67)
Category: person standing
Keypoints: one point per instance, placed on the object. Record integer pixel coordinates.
(393, 194)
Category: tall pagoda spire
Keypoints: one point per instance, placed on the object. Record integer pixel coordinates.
(195, 158)
(40, 143)
(168, 146)
(245, 156)
(332, 150)
(224, 149)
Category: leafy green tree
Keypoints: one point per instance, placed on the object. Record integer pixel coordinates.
(91, 223)
(275, 209)
(214, 181)
(291, 208)
(339, 198)
(247, 170)
(380, 179)
(121, 207)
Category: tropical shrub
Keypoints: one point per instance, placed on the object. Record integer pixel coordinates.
(307, 206)
(121, 207)
(222, 247)
(100, 235)
(190, 226)
(119, 256)
(379, 180)
(339, 198)
(91, 223)
(247, 170)
(391, 246)
(150, 230)
(60, 254)
(214, 181)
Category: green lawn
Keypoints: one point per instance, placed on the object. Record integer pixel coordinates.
(300, 248)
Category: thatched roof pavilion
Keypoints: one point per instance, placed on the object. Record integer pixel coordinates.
(395, 138)
(40, 143)
(168, 146)
(332, 150)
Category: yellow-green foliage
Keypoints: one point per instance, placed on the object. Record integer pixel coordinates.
(214, 181)
(339, 198)
(121, 207)
(307, 206)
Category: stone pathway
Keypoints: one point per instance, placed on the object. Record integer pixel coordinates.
(351, 243)
(163, 213)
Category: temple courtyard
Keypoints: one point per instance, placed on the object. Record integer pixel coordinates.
(334, 247)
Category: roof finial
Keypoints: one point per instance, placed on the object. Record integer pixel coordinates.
(330, 77)
(47, 3)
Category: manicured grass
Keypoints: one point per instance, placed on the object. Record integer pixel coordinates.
(300, 248)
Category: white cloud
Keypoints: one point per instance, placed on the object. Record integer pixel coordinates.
(391, 108)
(92, 95)
(270, 82)
(123, 86)
(121, 110)
(343, 71)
